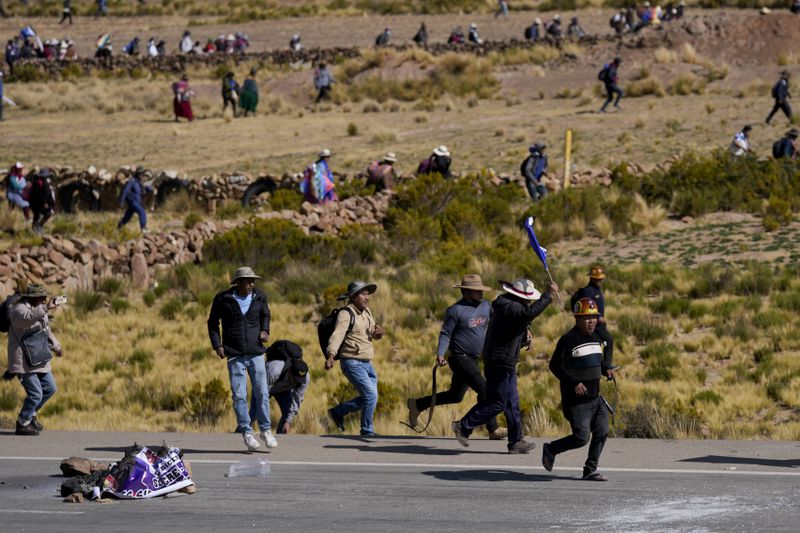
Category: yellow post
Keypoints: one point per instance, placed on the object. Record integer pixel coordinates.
(567, 158)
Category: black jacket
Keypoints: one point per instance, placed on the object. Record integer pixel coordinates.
(239, 333)
(508, 328)
(590, 291)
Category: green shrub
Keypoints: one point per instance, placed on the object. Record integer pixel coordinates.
(778, 213)
(191, 220)
(789, 301)
(104, 364)
(661, 358)
(286, 199)
(712, 280)
(205, 404)
(352, 130)
(120, 305)
(652, 420)
(149, 298)
(675, 306)
(87, 301)
(755, 279)
(707, 396)
(112, 286)
(142, 361)
(645, 329)
(171, 308)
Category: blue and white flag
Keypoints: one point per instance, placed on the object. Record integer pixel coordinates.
(538, 248)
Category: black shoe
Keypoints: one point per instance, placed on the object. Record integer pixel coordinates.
(38, 425)
(338, 421)
(368, 434)
(26, 430)
(548, 458)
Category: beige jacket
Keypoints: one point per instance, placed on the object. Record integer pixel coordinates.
(24, 319)
(357, 344)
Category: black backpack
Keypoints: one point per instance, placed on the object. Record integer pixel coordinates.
(284, 350)
(328, 324)
(528, 33)
(522, 166)
(777, 149)
(775, 89)
(603, 74)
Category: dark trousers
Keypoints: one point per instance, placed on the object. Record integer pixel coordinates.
(284, 400)
(536, 189)
(231, 101)
(324, 93)
(134, 208)
(66, 16)
(501, 397)
(611, 90)
(783, 106)
(41, 215)
(608, 340)
(587, 420)
(466, 375)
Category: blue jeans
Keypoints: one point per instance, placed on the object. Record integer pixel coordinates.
(238, 370)
(536, 189)
(611, 90)
(133, 207)
(39, 387)
(284, 400)
(363, 377)
(18, 200)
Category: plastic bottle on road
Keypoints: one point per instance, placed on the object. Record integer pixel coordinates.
(250, 468)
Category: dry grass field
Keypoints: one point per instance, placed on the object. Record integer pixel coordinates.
(717, 362)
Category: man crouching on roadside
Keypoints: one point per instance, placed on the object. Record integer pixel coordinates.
(578, 362)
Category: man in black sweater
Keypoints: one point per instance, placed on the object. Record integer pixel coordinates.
(597, 275)
(512, 314)
(578, 362)
(780, 93)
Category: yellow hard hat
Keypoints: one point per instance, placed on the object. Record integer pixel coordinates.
(597, 272)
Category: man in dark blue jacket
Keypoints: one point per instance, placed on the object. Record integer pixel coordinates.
(244, 314)
(512, 314)
(780, 92)
(578, 362)
(597, 275)
(132, 198)
(610, 78)
(784, 147)
(533, 168)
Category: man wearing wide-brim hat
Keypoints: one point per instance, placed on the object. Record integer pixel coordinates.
(463, 334)
(593, 290)
(512, 314)
(244, 314)
(578, 362)
(351, 341)
(438, 162)
(28, 317)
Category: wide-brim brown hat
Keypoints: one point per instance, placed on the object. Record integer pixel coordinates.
(243, 272)
(355, 287)
(472, 282)
(521, 288)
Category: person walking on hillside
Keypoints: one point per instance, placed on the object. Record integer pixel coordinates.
(318, 186)
(533, 169)
(574, 30)
(472, 35)
(438, 162)
(131, 200)
(383, 38)
(512, 314)
(66, 12)
(381, 174)
(502, 8)
(230, 93)
(421, 37)
(186, 43)
(15, 189)
(780, 92)
(30, 325)
(578, 362)
(785, 146)
(42, 199)
(462, 335)
(323, 80)
(244, 314)
(182, 102)
(593, 290)
(249, 98)
(741, 142)
(295, 45)
(352, 342)
(102, 8)
(610, 78)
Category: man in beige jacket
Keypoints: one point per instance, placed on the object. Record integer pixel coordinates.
(27, 315)
(354, 347)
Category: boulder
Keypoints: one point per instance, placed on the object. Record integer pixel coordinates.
(140, 274)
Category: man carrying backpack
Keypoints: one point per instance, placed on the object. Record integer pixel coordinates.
(784, 147)
(351, 341)
(131, 200)
(381, 174)
(610, 77)
(780, 92)
(421, 37)
(383, 38)
(244, 314)
(532, 169)
(230, 92)
(463, 334)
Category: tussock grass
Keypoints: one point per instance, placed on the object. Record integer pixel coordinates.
(648, 86)
(665, 56)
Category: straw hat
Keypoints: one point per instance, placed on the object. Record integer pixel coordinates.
(243, 272)
(441, 150)
(472, 282)
(390, 157)
(325, 153)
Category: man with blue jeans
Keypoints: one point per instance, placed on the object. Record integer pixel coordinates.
(353, 345)
(244, 314)
(533, 168)
(132, 198)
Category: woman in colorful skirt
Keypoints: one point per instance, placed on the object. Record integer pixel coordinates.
(182, 105)
(249, 98)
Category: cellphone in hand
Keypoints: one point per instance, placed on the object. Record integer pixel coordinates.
(60, 300)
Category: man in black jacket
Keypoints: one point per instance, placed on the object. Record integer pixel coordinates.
(578, 362)
(597, 275)
(244, 313)
(512, 314)
(780, 92)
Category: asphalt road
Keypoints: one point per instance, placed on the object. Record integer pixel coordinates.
(339, 483)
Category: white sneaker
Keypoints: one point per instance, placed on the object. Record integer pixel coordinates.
(269, 439)
(251, 442)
